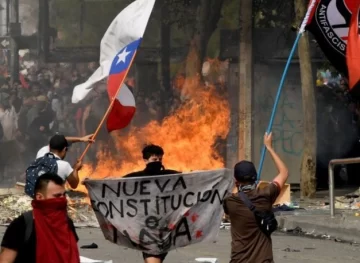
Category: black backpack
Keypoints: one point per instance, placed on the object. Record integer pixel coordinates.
(29, 225)
(42, 165)
(265, 219)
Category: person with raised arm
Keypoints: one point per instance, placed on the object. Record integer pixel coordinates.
(250, 210)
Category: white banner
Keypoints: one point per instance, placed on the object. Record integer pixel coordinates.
(156, 214)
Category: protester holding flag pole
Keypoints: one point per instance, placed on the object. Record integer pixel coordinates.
(117, 52)
(282, 81)
(335, 26)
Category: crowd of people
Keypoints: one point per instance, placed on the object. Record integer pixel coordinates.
(337, 111)
(37, 106)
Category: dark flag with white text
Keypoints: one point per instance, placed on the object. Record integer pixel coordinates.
(329, 22)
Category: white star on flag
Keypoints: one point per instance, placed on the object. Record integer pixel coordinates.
(122, 56)
(128, 26)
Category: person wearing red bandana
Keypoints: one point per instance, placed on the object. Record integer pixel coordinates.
(50, 237)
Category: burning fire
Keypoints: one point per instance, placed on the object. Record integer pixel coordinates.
(188, 136)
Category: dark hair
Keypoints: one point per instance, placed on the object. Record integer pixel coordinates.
(43, 181)
(152, 149)
(58, 142)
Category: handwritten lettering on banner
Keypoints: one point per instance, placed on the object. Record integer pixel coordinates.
(160, 213)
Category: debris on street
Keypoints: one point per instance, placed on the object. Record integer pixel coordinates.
(14, 204)
(91, 246)
(349, 201)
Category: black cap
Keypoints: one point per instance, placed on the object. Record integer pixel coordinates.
(58, 142)
(245, 171)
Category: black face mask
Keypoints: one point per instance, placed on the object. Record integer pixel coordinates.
(154, 167)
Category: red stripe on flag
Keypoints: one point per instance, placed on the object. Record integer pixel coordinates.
(114, 82)
(312, 13)
(120, 116)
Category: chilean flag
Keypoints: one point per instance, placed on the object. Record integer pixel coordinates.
(124, 32)
(123, 108)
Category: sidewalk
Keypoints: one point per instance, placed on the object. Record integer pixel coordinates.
(345, 226)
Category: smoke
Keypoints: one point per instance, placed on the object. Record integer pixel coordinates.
(28, 16)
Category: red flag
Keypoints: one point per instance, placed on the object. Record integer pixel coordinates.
(353, 50)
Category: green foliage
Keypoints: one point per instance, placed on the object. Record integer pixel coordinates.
(84, 22)
(230, 18)
(97, 17)
(230, 15)
(64, 16)
(181, 15)
(182, 19)
(267, 14)
(88, 29)
(273, 13)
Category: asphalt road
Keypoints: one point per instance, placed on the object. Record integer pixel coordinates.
(287, 249)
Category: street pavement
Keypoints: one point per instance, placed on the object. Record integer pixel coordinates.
(289, 249)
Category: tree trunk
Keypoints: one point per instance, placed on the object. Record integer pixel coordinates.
(308, 163)
(245, 80)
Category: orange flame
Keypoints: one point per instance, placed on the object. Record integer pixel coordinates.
(188, 136)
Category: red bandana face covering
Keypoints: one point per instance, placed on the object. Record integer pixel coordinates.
(55, 241)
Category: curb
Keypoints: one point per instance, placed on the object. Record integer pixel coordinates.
(342, 228)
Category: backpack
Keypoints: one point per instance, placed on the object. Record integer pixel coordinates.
(265, 219)
(29, 225)
(42, 165)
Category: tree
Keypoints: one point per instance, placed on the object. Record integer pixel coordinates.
(208, 14)
(83, 23)
(245, 79)
(308, 163)
(272, 13)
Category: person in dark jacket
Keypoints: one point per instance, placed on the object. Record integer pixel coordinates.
(153, 156)
(41, 126)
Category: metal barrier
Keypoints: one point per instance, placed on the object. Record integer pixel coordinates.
(332, 165)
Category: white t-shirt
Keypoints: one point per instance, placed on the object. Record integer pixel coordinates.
(8, 120)
(64, 168)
